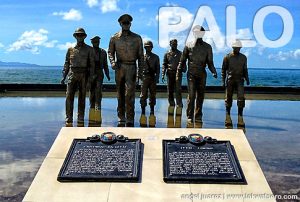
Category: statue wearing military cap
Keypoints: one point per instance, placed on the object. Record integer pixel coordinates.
(234, 73)
(125, 18)
(125, 50)
(149, 80)
(78, 67)
(101, 65)
(199, 55)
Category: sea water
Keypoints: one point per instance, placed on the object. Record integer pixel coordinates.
(53, 75)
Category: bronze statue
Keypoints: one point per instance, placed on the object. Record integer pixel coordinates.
(97, 81)
(79, 66)
(169, 68)
(149, 79)
(125, 48)
(234, 73)
(199, 54)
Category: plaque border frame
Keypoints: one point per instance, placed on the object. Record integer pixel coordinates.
(197, 180)
(136, 176)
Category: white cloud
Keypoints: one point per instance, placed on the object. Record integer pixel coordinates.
(31, 41)
(297, 53)
(109, 6)
(171, 4)
(16, 174)
(66, 45)
(92, 3)
(105, 5)
(147, 38)
(178, 16)
(72, 14)
(1, 45)
(284, 55)
(142, 10)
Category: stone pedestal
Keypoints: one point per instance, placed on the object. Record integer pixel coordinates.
(45, 186)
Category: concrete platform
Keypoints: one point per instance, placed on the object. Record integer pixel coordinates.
(45, 187)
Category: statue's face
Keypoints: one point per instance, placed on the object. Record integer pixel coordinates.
(198, 34)
(80, 37)
(96, 43)
(148, 48)
(173, 45)
(236, 50)
(125, 25)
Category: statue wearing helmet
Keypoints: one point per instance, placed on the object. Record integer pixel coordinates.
(78, 67)
(234, 73)
(150, 76)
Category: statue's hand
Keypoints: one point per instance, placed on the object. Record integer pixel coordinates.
(114, 66)
(215, 75)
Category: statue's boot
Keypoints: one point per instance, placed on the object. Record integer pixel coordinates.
(198, 123)
(178, 117)
(121, 122)
(178, 111)
(143, 120)
(171, 110)
(91, 116)
(241, 123)
(69, 124)
(228, 122)
(190, 123)
(80, 123)
(170, 121)
(98, 118)
(152, 120)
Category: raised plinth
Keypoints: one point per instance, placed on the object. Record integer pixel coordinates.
(45, 186)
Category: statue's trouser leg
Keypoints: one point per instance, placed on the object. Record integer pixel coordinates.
(228, 95)
(178, 94)
(120, 85)
(144, 94)
(200, 83)
(240, 97)
(71, 89)
(191, 97)
(98, 93)
(152, 99)
(171, 86)
(92, 95)
(130, 82)
(81, 97)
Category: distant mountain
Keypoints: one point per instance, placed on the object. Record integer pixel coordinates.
(17, 64)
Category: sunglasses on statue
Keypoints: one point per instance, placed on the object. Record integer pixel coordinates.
(126, 23)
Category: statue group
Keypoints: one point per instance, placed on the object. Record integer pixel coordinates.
(85, 67)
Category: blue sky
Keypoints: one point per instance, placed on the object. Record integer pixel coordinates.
(39, 32)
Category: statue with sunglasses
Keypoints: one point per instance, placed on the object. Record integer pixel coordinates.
(78, 67)
(125, 50)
